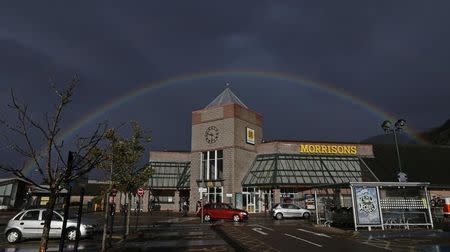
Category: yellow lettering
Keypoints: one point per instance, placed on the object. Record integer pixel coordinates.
(334, 149)
(317, 148)
(346, 150)
(304, 148)
(329, 149)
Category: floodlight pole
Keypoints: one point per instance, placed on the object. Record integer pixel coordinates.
(389, 128)
(396, 147)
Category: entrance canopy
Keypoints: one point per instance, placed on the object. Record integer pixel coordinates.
(170, 175)
(298, 170)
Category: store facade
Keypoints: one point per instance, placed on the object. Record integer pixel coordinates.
(229, 162)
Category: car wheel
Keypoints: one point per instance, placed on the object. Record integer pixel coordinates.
(13, 236)
(279, 216)
(306, 215)
(236, 218)
(207, 217)
(72, 234)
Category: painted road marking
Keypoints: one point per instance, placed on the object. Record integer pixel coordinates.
(257, 225)
(311, 232)
(259, 230)
(298, 238)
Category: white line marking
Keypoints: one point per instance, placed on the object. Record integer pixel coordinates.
(298, 238)
(311, 232)
(257, 225)
(259, 230)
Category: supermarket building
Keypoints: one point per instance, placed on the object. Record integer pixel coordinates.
(229, 162)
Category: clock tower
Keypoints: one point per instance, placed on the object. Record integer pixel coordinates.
(223, 145)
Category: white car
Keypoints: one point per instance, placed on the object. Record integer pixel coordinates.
(281, 211)
(30, 224)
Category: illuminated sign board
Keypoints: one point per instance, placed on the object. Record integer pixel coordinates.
(329, 149)
(250, 136)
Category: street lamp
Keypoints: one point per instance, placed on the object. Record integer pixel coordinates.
(394, 129)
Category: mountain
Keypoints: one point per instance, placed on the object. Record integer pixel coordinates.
(402, 139)
(439, 135)
(436, 136)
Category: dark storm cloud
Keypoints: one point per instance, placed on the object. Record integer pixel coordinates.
(393, 54)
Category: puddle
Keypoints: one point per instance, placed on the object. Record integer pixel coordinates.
(175, 243)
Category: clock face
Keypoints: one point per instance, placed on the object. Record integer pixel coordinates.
(211, 134)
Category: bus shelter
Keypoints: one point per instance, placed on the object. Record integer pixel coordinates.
(385, 205)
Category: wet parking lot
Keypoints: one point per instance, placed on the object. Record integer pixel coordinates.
(260, 233)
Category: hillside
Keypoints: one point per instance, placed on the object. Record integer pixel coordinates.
(439, 135)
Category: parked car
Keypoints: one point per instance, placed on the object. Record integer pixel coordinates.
(216, 211)
(30, 223)
(280, 211)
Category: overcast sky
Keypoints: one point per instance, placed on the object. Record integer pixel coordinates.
(393, 54)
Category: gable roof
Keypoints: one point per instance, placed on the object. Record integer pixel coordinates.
(226, 97)
(9, 180)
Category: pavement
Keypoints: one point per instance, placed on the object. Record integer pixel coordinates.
(168, 231)
(159, 231)
(406, 240)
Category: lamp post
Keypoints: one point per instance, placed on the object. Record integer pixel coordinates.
(107, 209)
(394, 129)
(82, 185)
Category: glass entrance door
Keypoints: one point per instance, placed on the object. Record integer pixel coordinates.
(250, 202)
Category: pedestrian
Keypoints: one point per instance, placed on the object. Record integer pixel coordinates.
(185, 208)
(198, 206)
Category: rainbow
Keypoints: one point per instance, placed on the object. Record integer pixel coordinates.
(146, 88)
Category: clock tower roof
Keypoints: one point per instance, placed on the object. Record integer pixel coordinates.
(226, 97)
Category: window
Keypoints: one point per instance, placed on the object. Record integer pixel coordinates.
(19, 216)
(211, 165)
(226, 206)
(4, 200)
(55, 216)
(5, 190)
(164, 199)
(31, 215)
(293, 207)
(213, 195)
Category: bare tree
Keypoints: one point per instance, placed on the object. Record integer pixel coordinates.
(125, 156)
(50, 160)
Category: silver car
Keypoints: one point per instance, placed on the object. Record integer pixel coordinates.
(30, 224)
(281, 211)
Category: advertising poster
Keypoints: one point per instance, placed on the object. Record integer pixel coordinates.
(238, 198)
(367, 206)
(309, 202)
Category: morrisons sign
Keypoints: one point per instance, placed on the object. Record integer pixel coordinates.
(330, 149)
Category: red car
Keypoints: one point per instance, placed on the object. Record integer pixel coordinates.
(216, 211)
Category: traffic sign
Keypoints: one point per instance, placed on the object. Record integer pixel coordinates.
(140, 192)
